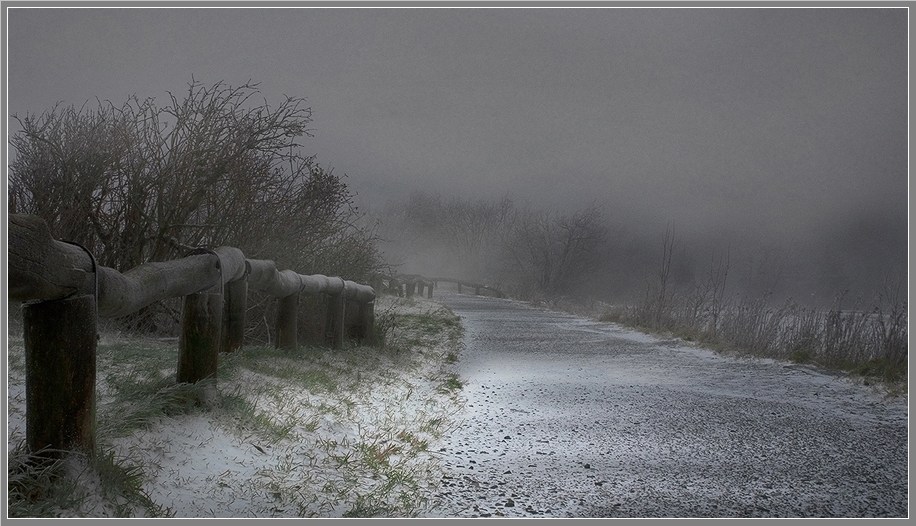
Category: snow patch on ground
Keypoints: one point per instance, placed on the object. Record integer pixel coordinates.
(359, 449)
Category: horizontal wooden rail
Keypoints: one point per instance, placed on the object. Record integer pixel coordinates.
(263, 275)
(42, 268)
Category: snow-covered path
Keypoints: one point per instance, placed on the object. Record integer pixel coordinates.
(573, 418)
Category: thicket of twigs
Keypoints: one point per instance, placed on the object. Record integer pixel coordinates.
(140, 182)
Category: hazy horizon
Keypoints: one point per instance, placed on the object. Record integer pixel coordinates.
(772, 126)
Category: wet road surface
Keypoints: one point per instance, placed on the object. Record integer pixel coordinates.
(567, 417)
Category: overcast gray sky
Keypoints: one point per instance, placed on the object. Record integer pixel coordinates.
(777, 120)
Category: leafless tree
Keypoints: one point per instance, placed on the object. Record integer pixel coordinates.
(663, 274)
(716, 281)
(456, 235)
(549, 253)
(139, 182)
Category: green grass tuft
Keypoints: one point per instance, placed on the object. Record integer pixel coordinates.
(451, 383)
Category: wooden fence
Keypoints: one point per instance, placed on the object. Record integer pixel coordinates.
(410, 284)
(65, 292)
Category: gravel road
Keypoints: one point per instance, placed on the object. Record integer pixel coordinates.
(567, 417)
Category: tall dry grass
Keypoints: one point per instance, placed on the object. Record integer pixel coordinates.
(868, 339)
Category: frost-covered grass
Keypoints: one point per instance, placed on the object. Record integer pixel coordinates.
(310, 433)
(869, 342)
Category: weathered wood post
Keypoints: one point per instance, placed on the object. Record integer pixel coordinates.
(367, 317)
(235, 303)
(353, 320)
(336, 313)
(60, 350)
(313, 310)
(288, 322)
(199, 342)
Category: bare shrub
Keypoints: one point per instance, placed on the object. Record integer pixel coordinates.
(139, 182)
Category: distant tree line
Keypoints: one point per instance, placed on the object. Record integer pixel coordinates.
(589, 253)
(744, 297)
(530, 253)
(140, 182)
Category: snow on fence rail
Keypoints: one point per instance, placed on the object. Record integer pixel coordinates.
(65, 292)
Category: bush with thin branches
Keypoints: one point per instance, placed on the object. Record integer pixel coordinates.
(140, 182)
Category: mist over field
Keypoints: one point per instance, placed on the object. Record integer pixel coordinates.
(856, 258)
(768, 143)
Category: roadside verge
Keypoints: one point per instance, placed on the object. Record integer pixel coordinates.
(309, 433)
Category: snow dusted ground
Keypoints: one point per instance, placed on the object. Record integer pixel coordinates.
(560, 416)
(567, 417)
(358, 446)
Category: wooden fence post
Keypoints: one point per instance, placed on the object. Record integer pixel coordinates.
(367, 317)
(313, 311)
(353, 320)
(60, 349)
(235, 303)
(288, 322)
(336, 313)
(201, 328)
(360, 321)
